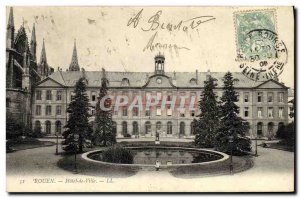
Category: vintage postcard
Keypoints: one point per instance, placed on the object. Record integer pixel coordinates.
(150, 99)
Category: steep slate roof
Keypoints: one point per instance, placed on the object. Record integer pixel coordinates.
(139, 79)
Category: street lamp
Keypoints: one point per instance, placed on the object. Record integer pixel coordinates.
(230, 138)
(256, 155)
(76, 137)
(56, 144)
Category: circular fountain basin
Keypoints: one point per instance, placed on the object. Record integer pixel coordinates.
(168, 157)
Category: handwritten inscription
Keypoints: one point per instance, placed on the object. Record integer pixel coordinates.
(154, 24)
(151, 45)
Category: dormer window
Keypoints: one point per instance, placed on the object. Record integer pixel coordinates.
(125, 82)
(193, 81)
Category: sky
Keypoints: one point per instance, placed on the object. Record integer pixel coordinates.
(111, 38)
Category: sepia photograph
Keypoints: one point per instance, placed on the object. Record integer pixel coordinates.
(153, 99)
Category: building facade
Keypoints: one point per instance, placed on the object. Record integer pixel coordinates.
(262, 104)
(39, 96)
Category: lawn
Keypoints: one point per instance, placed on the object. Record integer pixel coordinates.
(25, 143)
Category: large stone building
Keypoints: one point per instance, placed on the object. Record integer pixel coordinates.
(263, 104)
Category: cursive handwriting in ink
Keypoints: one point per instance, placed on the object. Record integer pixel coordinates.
(135, 20)
(154, 23)
(151, 45)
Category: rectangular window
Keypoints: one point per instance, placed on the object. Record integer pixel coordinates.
(48, 110)
(72, 96)
(93, 96)
(270, 97)
(148, 112)
(169, 112)
(38, 95)
(158, 94)
(115, 112)
(280, 112)
(246, 97)
(246, 112)
(158, 111)
(182, 112)
(49, 95)
(58, 110)
(193, 113)
(259, 112)
(124, 111)
(38, 109)
(135, 111)
(58, 95)
(93, 110)
(280, 97)
(259, 97)
(169, 96)
(270, 112)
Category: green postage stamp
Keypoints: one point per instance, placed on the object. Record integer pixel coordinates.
(259, 49)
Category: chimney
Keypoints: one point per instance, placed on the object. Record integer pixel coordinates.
(197, 76)
(208, 74)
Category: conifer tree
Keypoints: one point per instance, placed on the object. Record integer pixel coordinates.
(207, 124)
(230, 123)
(104, 134)
(78, 119)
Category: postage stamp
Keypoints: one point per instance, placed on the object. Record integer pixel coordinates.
(260, 53)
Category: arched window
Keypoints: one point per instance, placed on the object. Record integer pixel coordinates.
(124, 128)
(48, 127)
(37, 125)
(169, 127)
(259, 129)
(58, 127)
(135, 128)
(158, 126)
(280, 124)
(193, 126)
(114, 127)
(182, 128)
(148, 127)
(270, 129)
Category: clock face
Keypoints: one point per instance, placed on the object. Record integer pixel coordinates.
(158, 80)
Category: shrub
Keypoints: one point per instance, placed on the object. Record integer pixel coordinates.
(14, 128)
(281, 132)
(290, 134)
(119, 155)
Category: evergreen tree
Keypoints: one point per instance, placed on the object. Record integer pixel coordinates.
(104, 134)
(292, 112)
(230, 123)
(206, 126)
(78, 122)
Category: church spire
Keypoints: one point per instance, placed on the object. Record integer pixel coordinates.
(43, 67)
(10, 29)
(11, 18)
(33, 43)
(74, 66)
(43, 58)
